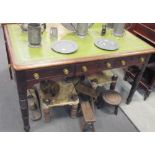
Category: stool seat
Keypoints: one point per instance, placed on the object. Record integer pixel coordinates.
(112, 97)
(87, 112)
(88, 116)
(65, 96)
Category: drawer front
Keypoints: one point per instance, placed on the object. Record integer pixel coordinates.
(53, 72)
(87, 68)
(121, 62)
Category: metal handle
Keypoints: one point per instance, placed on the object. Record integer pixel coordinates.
(142, 59)
(66, 71)
(43, 27)
(123, 62)
(84, 69)
(36, 76)
(108, 65)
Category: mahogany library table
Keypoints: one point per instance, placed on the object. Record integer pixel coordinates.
(32, 65)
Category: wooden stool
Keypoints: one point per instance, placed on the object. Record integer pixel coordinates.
(112, 98)
(99, 80)
(67, 96)
(88, 117)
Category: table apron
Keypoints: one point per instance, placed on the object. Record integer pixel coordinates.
(34, 76)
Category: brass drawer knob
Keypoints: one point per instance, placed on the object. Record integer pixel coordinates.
(123, 62)
(66, 71)
(84, 69)
(108, 65)
(142, 59)
(36, 76)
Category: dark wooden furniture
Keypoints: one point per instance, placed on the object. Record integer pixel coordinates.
(66, 96)
(146, 32)
(146, 83)
(113, 82)
(109, 96)
(112, 98)
(31, 66)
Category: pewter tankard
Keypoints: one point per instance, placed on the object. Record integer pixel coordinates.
(34, 34)
(82, 29)
(118, 29)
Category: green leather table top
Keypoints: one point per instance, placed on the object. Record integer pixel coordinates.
(23, 55)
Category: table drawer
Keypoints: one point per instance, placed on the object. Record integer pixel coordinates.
(61, 71)
(121, 62)
(87, 68)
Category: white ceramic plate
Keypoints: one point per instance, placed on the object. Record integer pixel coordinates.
(106, 44)
(64, 46)
(72, 26)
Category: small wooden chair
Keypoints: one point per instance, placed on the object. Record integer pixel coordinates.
(108, 97)
(112, 98)
(88, 117)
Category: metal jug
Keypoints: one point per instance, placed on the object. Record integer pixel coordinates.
(118, 29)
(34, 34)
(81, 29)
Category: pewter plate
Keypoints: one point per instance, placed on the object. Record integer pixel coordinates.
(106, 44)
(64, 46)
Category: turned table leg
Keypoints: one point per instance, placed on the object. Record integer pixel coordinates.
(22, 93)
(137, 80)
(74, 111)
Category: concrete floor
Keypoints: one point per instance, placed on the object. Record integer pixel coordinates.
(140, 112)
(10, 117)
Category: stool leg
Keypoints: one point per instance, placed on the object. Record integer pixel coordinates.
(46, 114)
(113, 83)
(116, 110)
(93, 127)
(88, 127)
(74, 111)
(83, 126)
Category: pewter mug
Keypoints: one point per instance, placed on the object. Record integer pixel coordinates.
(34, 34)
(118, 29)
(82, 29)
